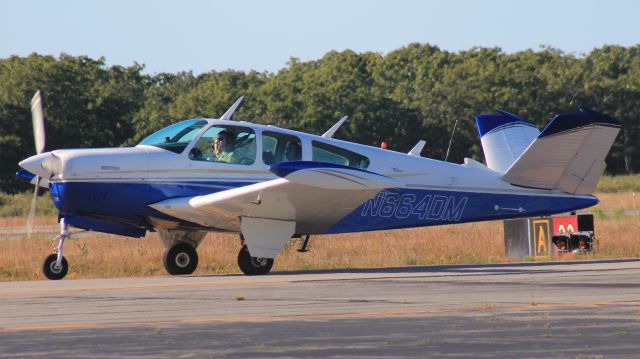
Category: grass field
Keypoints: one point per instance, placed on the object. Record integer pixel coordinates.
(94, 255)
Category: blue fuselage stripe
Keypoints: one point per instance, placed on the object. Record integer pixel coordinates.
(403, 208)
(127, 199)
(389, 209)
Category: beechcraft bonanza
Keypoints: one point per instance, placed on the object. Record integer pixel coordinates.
(202, 175)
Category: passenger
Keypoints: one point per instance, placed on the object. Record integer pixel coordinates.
(293, 152)
(223, 147)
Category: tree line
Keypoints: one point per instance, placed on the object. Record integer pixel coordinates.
(416, 92)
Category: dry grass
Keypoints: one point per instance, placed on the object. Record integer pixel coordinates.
(96, 255)
(622, 200)
(100, 255)
(622, 183)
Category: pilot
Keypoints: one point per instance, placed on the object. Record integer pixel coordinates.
(223, 147)
(292, 152)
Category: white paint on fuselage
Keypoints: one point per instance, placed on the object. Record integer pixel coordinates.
(145, 163)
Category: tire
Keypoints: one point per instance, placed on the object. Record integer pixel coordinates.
(49, 267)
(251, 265)
(180, 259)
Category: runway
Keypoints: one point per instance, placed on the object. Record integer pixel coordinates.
(555, 309)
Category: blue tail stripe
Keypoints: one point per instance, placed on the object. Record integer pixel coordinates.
(490, 122)
(572, 120)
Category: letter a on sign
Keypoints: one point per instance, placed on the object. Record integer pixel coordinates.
(541, 240)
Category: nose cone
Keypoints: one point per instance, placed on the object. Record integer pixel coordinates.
(40, 164)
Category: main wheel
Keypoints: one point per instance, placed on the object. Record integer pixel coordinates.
(180, 259)
(51, 271)
(251, 265)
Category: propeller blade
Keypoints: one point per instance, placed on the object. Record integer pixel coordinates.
(39, 138)
(37, 117)
(32, 209)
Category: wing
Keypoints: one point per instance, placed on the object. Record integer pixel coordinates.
(313, 195)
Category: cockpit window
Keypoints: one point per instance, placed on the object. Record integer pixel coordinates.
(176, 137)
(227, 144)
(323, 152)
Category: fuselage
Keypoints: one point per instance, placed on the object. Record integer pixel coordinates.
(119, 184)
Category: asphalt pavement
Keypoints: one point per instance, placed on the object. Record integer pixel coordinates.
(555, 309)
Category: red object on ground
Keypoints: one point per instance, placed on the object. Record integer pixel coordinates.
(568, 224)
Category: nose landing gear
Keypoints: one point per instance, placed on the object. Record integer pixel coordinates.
(55, 266)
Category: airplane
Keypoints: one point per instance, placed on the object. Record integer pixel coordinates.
(182, 183)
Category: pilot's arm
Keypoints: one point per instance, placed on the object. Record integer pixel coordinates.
(228, 157)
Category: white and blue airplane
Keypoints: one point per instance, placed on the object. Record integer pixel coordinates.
(182, 182)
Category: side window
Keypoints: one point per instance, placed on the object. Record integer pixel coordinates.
(279, 147)
(323, 152)
(227, 144)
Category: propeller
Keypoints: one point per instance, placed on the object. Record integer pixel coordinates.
(37, 117)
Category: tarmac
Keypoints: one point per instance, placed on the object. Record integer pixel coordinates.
(519, 310)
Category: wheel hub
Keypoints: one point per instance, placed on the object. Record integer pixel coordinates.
(55, 268)
(259, 262)
(182, 260)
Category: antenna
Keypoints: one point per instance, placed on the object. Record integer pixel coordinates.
(229, 114)
(335, 127)
(451, 140)
(417, 149)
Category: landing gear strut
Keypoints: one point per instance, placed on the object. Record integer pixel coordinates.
(55, 266)
(180, 259)
(305, 245)
(251, 265)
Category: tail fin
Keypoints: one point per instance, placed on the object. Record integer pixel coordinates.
(568, 155)
(504, 138)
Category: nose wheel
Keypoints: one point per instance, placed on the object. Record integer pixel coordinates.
(52, 270)
(55, 266)
(180, 259)
(252, 265)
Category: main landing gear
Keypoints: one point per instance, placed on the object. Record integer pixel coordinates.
(55, 266)
(252, 265)
(180, 259)
(180, 256)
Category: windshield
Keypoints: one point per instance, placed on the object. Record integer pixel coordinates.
(176, 137)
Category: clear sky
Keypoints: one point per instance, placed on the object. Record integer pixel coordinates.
(258, 35)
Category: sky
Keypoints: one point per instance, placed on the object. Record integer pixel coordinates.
(203, 36)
